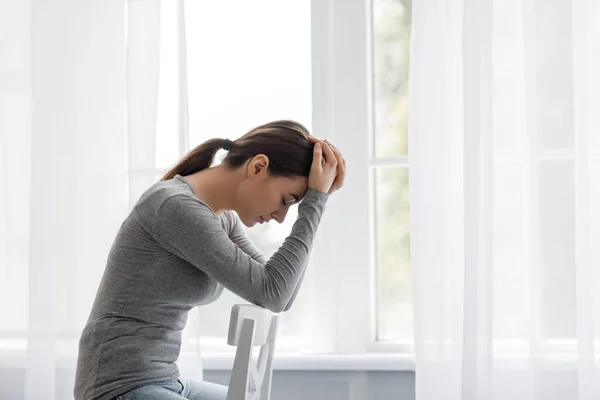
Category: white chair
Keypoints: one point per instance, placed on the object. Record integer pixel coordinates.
(251, 326)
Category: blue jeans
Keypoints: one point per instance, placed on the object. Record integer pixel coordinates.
(176, 390)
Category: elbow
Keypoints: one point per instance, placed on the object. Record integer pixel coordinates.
(288, 305)
(275, 306)
(274, 297)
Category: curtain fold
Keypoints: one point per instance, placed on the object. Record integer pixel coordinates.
(78, 169)
(143, 62)
(505, 176)
(78, 104)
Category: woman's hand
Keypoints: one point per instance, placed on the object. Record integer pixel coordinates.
(330, 152)
(323, 169)
(341, 169)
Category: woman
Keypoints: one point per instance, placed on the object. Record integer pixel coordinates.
(183, 242)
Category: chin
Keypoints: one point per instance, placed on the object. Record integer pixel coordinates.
(250, 223)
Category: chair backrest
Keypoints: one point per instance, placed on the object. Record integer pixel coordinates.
(251, 326)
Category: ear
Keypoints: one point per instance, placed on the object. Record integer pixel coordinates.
(258, 166)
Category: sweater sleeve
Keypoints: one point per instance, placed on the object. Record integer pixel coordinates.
(188, 229)
(238, 236)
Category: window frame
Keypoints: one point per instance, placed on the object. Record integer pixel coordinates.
(342, 59)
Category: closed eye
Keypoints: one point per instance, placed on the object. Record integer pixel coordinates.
(294, 200)
(291, 201)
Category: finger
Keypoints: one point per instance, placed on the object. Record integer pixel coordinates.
(335, 149)
(315, 141)
(341, 175)
(342, 171)
(329, 154)
(323, 161)
(318, 154)
(343, 162)
(337, 153)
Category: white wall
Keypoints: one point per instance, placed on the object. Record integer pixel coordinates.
(287, 385)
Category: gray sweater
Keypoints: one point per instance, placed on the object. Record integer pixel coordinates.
(173, 253)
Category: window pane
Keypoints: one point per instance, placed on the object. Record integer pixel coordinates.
(394, 289)
(237, 82)
(391, 40)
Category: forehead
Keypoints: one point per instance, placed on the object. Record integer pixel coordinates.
(297, 185)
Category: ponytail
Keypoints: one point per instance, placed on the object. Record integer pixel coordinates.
(286, 143)
(196, 160)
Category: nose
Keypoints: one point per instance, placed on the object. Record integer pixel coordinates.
(280, 215)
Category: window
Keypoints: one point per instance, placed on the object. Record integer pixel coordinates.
(339, 69)
(391, 21)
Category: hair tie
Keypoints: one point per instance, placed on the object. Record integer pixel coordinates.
(227, 144)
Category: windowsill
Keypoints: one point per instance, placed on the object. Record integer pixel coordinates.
(320, 362)
(281, 361)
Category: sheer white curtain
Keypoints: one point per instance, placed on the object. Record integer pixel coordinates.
(504, 141)
(77, 125)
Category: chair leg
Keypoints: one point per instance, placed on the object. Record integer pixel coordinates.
(238, 383)
(265, 389)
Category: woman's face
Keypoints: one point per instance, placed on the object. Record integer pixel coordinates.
(262, 197)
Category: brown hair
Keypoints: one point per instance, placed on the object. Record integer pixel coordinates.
(284, 142)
